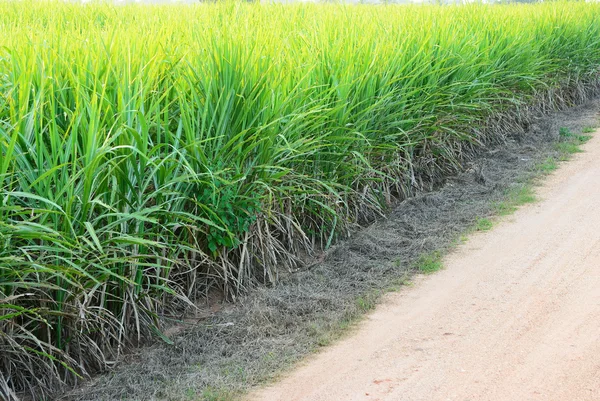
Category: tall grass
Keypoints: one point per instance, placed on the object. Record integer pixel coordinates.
(149, 152)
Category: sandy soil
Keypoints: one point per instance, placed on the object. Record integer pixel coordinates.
(514, 316)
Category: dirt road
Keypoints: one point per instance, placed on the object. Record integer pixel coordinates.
(514, 316)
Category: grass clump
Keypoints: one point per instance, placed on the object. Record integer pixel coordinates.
(566, 149)
(588, 130)
(547, 166)
(515, 197)
(484, 224)
(571, 143)
(213, 394)
(430, 263)
(150, 153)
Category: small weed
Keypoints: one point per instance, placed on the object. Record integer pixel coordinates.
(583, 138)
(314, 330)
(514, 198)
(397, 284)
(566, 149)
(345, 325)
(588, 130)
(234, 371)
(191, 394)
(324, 340)
(365, 303)
(564, 132)
(483, 224)
(523, 195)
(504, 208)
(547, 166)
(572, 143)
(430, 263)
(216, 394)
